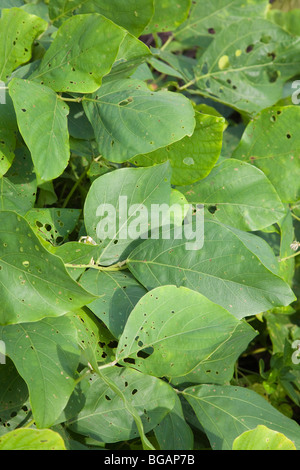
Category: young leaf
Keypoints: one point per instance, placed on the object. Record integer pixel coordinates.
(34, 283)
(225, 270)
(49, 347)
(18, 30)
(271, 142)
(247, 64)
(134, 17)
(173, 330)
(238, 195)
(83, 51)
(193, 157)
(262, 438)
(42, 120)
(32, 439)
(129, 119)
(225, 412)
(127, 218)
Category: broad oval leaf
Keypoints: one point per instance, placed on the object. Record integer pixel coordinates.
(228, 269)
(208, 19)
(262, 438)
(34, 283)
(49, 347)
(227, 411)
(134, 18)
(239, 195)
(83, 51)
(108, 419)
(129, 119)
(247, 64)
(193, 157)
(18, 30)
(42, 120)
(32, 439)
(271, 143)
(171, 331)
(118, 206)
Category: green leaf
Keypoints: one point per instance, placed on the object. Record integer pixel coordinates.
(18, 187)
(32, 439)
(129, 119)
(247, 64)
(168, 15)
(34, 283)
(18, 30)
(42, 120)
(228, 269)
(48, 347)
(225, 412)
(192, 158)
(54, 225)
(219, 367)
(13, 396)
(11, 4)
(8, 131)
(171, 331)
(262, 438)
(108, 419)
(118, 294)
(83, 51)
(93, 338)
(271, 143)
(173, 432)
(115, 223)
(208, 19)
(134, 17)
(237, 194)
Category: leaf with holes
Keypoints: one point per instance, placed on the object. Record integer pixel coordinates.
(247, 64)
(239, 195)
(230, 269)
(42, 120)
(192, 158)
(208, 19)
(83, 51)
(272, 144)
(18, 30)
(34, 283)
(54, 361)
(173, 330)
(129, 119)
(108, 419)
(32, 439)
(134, 17)
(262, 438)
(115, 218)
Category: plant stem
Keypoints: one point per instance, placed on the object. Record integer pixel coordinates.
(115, 267)
(295, 216)
(77, 183)
(289, 257)
(168, 41)
(73, 100)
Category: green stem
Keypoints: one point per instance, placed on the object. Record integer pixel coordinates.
(289, 257)
(115, 267)
(77, 183)
(73, 100)
(168, 41)
(295, 216)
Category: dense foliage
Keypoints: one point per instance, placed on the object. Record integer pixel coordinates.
(138, 342)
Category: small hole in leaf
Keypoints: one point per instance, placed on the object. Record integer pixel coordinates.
(288, 136)
(211, 31)
(212, 209)
(249, 48)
